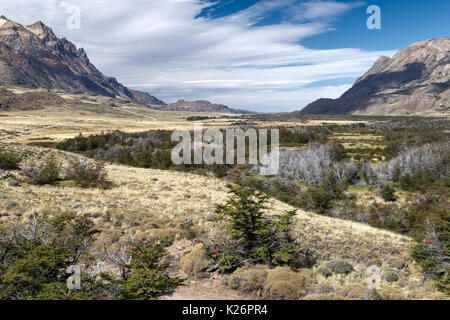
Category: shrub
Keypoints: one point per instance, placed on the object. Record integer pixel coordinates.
(248, 279)
(321, 199)
(244, 214)
(284, 284)
(387, 193)
(87, 174)
(228, 261)
(324, 271)
(196, 262)
(40, 172)
(390, 276)
(9, 161)
(146, 274)
(339, 266)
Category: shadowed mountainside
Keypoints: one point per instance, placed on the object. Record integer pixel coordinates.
(34, 57)
(414, 81)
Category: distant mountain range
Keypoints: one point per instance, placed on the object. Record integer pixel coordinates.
(34, 57)
(415, 81)
(200, 106)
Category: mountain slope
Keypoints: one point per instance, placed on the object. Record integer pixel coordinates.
(414, 81)
(34, 57)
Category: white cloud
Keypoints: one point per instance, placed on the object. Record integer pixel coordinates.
(324, 9)
(159, 46)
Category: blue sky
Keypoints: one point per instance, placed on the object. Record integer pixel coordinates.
(261, 55)
(403, 22)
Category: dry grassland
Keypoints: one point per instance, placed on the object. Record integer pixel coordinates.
(153, 203)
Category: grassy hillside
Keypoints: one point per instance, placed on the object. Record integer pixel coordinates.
(174, 207)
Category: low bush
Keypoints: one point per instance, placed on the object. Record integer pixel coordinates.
(390, 276)
(321, 199)
(44, 171)
(196, 262)
(284, 284)
(87, 174)
(249, 279)
(9, 161)
(35, 254)
(339, 266)
(387, 193)
(324, 271)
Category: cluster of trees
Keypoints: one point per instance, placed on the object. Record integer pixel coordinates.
(253, 237)
(36, 256)
(432, 161)
(303, 135)
(153, 149)
(315, 165)
(311, 165)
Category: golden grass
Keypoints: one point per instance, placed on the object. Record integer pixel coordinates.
(155, 203)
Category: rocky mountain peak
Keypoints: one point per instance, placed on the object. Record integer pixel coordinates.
(42, 31)
(34, 57)
(416, 80)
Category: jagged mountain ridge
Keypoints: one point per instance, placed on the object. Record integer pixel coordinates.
(34, 57)
(414, 81)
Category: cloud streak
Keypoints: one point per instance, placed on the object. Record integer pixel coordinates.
(161, 47)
